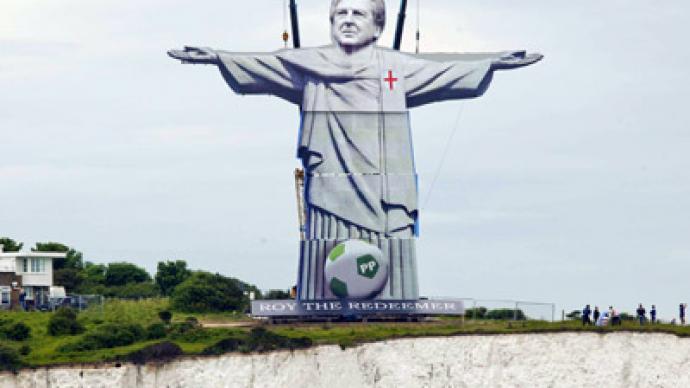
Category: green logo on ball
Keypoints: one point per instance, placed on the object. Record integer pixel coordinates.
(339, 288)
(337, 252)
(367, 266)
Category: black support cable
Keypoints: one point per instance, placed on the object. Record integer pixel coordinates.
(401, 24)
(295, 24)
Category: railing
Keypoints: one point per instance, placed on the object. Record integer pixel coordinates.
(520, 310)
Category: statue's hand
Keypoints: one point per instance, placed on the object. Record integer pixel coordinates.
(515, 59)
(192, 54)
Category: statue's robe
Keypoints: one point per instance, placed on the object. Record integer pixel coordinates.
(355, 143)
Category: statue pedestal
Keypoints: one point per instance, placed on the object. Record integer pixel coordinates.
(355, 308)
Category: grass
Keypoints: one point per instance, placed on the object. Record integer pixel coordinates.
(357, 333)
(145, 312)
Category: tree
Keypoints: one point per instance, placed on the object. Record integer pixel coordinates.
(204, 291)
(9, 245)
(476, 312)
(119, 274)
(170, 274)
(72, 260)
(70, 278)
(93, 274)
(506, 314)
(278, 294)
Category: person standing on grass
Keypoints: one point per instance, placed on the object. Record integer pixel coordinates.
(681, 313)
(615, 318)
(22, 298)
(596, 314)
(652, 314)
(641, 314)
(585, 316)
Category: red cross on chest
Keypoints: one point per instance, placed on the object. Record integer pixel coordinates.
(390, 79)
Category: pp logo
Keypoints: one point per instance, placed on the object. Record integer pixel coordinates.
(367, 266)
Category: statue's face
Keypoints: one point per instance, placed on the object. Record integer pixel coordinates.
(353, 23)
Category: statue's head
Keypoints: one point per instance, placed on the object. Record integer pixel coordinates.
(356, 23)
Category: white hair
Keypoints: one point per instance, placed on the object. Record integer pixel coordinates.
(378, 8)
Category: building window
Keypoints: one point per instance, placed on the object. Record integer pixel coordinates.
(4, 296)
(29, 293)
(25, 265)
(38, 265)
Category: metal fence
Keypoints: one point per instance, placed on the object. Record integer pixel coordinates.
(510, 309)
(77, 302)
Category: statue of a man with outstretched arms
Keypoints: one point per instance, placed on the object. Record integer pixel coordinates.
(354, 138)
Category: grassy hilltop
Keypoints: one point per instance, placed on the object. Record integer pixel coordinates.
(133, 331)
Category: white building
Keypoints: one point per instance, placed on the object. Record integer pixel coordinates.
(31, 272)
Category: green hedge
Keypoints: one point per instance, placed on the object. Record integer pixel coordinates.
(108, 335)
(258, 340)
(159, 352)
(64, 322)
(9, 359)
(15, 332)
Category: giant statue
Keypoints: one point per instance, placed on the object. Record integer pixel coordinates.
(354, 137)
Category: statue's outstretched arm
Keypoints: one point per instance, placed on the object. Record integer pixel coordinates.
(499, 61)
(433, 77)
(514, 59)
(193, 54)
(249, 73)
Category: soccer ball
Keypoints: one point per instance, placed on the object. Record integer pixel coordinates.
(356, 269)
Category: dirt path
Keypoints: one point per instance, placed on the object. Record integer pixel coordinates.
(228, 324)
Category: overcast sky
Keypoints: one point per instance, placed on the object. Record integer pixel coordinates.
(566, 182)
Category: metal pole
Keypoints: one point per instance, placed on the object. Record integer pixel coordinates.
(295, 24)
(416, 48)
(400, 26)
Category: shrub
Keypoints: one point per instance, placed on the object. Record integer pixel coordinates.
(155, 331)
(107, 336)
(159, 352)
(120, 274)
(17, 332)
(476, 313)
(262, 340)
(278, 294)
(203, 292)
(129, 291)
(188, 331)
(64, 322)
(258, 340)
(165, 316)
(223, 346)
(181, 328)
(66, 312)
(626, 317)
(9, 359)
(192, 321)
(574, 315)
(506, 314)
(25, 350)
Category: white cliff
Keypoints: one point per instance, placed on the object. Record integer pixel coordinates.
(526, 360)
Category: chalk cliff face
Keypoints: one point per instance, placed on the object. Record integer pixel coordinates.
(530, 360)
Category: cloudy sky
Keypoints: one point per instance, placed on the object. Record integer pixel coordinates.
(566, 182)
